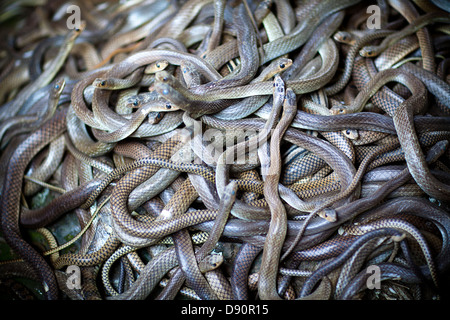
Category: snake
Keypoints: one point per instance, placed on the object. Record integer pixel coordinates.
(216, 33)
(311, 16)
(44, 114)
(423, 35)
(328, 51)
(420, 22)
(248, 105)
(361, 205)
(434, 216)
(380, 79)
(228, 200)
(278, 224)
(160, 13)
(321, 272)
(50, 72)
(165, 151)
(177, 97)
(392, 56)
(131, 122)
(350, 58)
(183, 243)
(403, 121)
(309, 49)
(137, 118)
(361, 170)
(117, 84)
(318, 146)
(224, 159)
(388, 271)
(46, 169)
(239, 275)
(415, 159)
(404, 226)
(435, 85)
(11, 199)
(149, 276)
(248, 53)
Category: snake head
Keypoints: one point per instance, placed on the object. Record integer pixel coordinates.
(344, 37)
(283, 64)
(175, 98)
(164, 77)
(278, 85)
(77, 31)
(58, 87)
(100, 83)
(338, 110)
(210, 262)
(134, 102)
(154, 117)
(186, 66)
(290, 101)
(156, 66)
(368, 52)
(230, 192)
(190, 74)
(328, 214)
(351, 133)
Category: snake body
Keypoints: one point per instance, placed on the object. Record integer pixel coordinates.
(226, 149)
(11, 199)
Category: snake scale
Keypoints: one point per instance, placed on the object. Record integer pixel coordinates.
(225, 150)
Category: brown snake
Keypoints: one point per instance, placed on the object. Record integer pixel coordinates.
(11, 199)
(278, 224)
(219, 149)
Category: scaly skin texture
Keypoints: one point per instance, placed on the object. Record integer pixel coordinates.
(11, 199)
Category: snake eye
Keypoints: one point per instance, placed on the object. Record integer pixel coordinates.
(282, 65)
(57, 86)
(369, 52)
(168, 106)
(341, 110)
(158, 116)
(136, 103)
(103, 83)
(347, 132)
(165, 79)
(158, 65)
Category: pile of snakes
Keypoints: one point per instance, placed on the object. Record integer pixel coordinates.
(225, 150)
